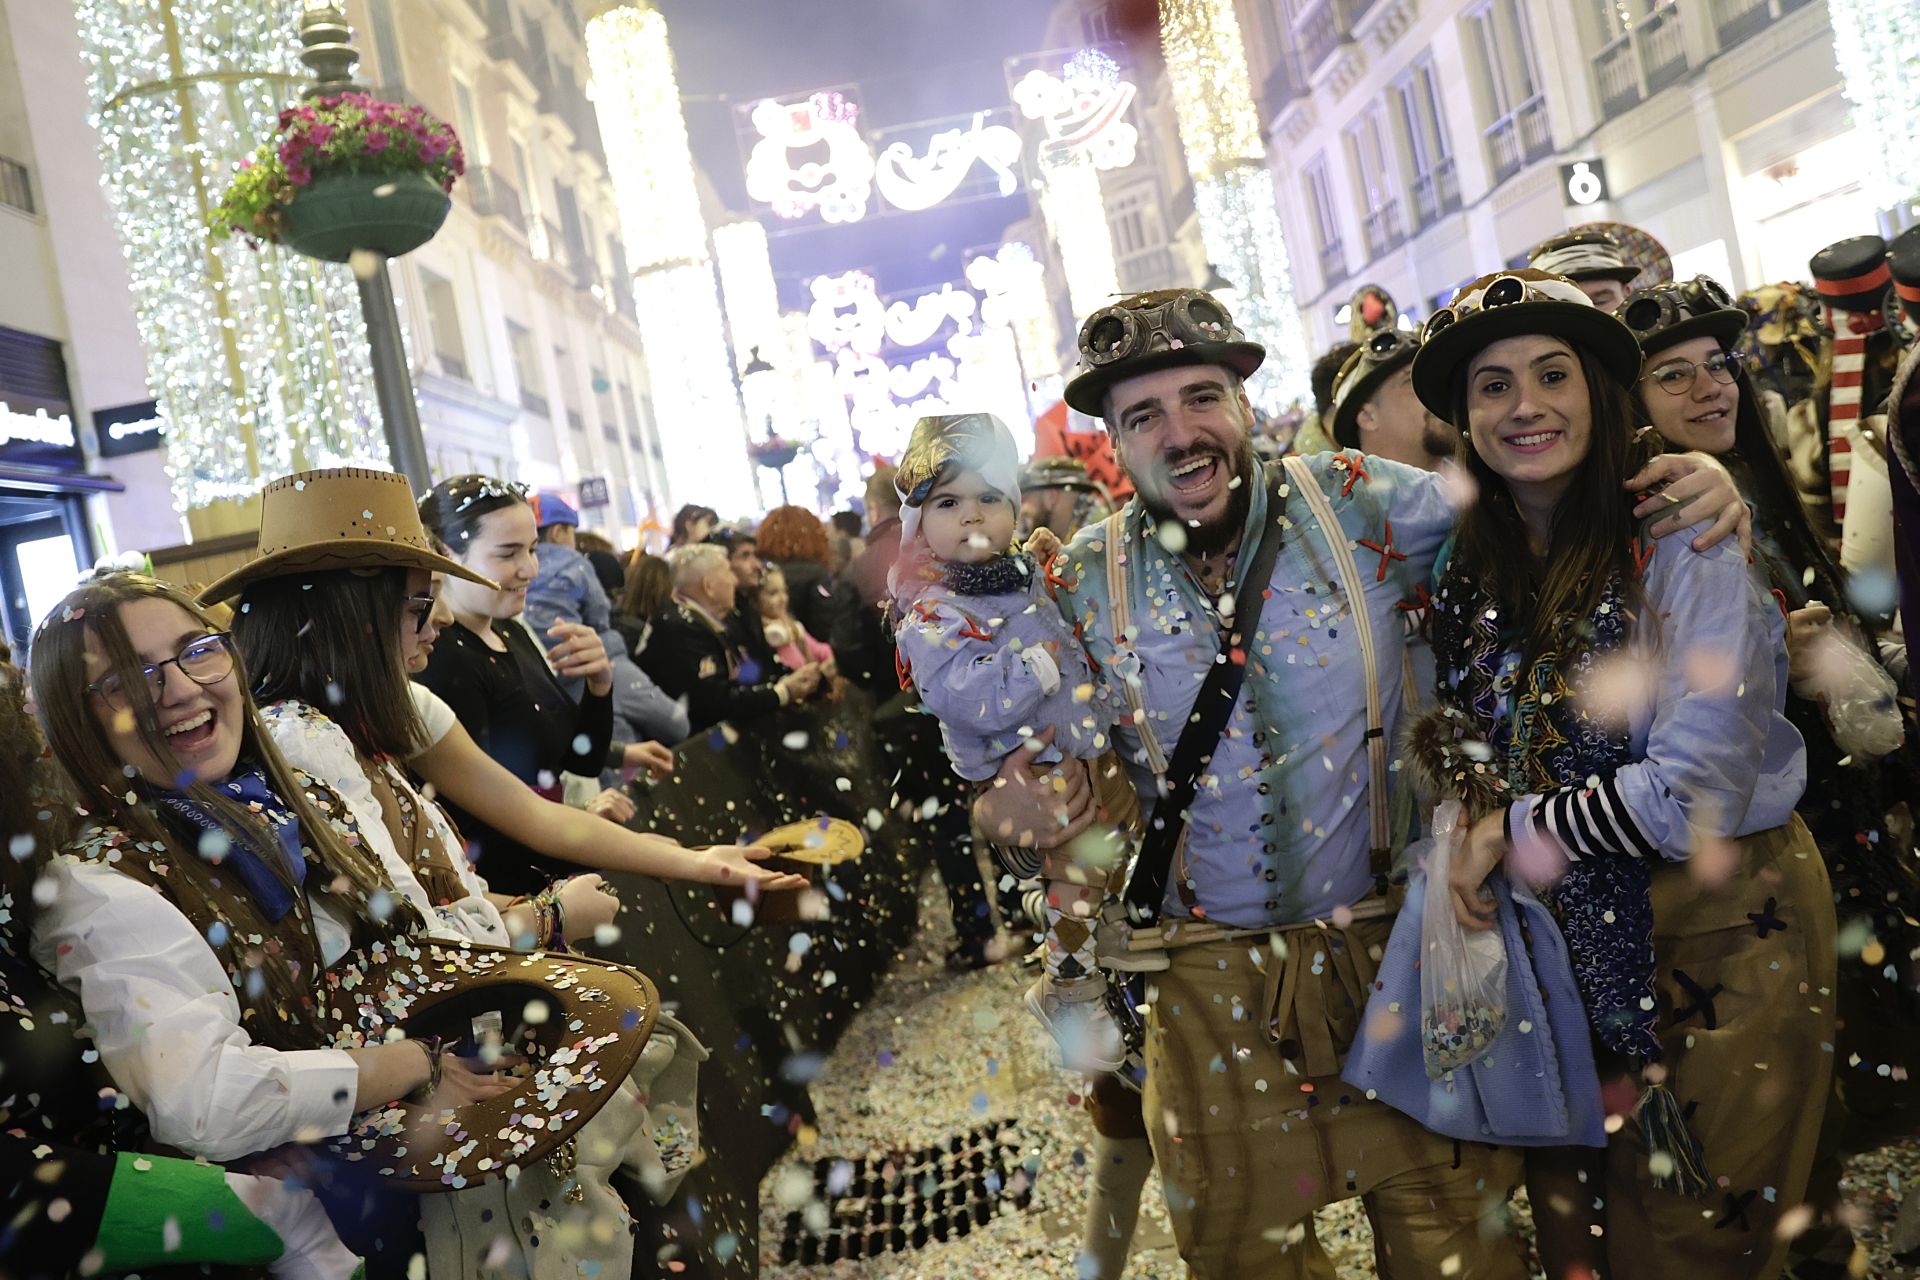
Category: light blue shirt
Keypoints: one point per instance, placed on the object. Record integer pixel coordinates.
(1278, 832)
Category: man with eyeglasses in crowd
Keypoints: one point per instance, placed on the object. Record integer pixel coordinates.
(1266, 869)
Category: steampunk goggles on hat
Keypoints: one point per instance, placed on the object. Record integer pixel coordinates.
(1664, 306)
(1504, 291)
(1384, 344)
(1123, 333)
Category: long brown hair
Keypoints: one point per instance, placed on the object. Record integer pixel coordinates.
(111, 794)
(34, 816)
(1591, 543)
(332, 640)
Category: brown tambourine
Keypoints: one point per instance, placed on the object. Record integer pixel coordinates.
(804, 849)
(580, 1025)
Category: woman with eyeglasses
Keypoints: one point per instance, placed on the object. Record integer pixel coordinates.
(214, 899)
(1627, 693)
(1694, 391)
(331, 645)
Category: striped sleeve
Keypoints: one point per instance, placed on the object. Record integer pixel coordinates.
(1583, 822)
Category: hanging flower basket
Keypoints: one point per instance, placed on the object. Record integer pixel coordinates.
(342, 173)
(773, 453)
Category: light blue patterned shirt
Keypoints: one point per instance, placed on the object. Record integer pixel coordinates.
(1278, 832)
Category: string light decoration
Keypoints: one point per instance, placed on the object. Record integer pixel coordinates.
(1876, 44)
(258, 358)
(703, 433)
(1014, 283)
(753, 298)
(1232, 189)
(1076, 215)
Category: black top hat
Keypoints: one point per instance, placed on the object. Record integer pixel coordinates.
(1903, 259)
(1148, 332)
(1852, 274)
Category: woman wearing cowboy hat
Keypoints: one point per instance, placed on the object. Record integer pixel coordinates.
(1629, 692)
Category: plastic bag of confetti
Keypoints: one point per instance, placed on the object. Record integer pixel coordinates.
(1463, 972)
(1858, 694)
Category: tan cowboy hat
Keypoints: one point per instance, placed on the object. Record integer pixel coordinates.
(339, 518)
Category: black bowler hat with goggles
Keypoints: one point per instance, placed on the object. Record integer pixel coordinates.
(1382, 354)
(1163, 329)
(1510, 304)
(1669, 314)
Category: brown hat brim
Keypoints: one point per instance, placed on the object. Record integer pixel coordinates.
(1602, 334)
(600, 1017)
(1088, 392)
(337, 553)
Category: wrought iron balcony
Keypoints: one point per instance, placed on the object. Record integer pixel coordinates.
(16, 185)
(1662, 52)
(494, 197)
(1333, 262)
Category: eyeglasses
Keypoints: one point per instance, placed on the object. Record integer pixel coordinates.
(1675, 377)
(1665, 305)
(205, 661)
(422, 609)
(1501, 292)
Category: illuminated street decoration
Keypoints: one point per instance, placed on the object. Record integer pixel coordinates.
(913, 183)
(839, 186)
(1876, 45)
(1084, 110)
(752, 297)
(1076, 214)
(846, 313)
(1014, 287)
(915, 322)
(702, 432)
(258, 360)
(1233, 191)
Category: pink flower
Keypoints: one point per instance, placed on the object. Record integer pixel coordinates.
(376, 142)
(299, 175)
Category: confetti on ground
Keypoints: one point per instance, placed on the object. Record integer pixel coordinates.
(937, 1057)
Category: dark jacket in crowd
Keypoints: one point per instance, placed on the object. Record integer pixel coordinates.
(689, 657)
(815, 600)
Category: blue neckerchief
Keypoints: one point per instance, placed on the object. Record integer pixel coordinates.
(270, 892)
(1002, 575)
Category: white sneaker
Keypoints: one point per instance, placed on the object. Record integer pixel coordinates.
(1112, 939)
(1074, 1012)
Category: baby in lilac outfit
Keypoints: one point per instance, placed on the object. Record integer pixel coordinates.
(993, 660)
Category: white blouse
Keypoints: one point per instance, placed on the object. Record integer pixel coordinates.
(167, 1023)
(317, 746)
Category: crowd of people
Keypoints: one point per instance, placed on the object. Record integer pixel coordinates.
(1514, 793)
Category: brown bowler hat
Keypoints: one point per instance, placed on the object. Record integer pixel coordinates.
(339, 518)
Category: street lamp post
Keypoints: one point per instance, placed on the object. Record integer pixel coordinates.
(326, 46)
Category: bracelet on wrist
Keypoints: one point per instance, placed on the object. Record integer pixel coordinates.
(435, 1050)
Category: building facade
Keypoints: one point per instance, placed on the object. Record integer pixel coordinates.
(526, 352)
(1417, 143)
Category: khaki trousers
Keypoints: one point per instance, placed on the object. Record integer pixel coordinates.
(1253, 1130)
(1745, 980)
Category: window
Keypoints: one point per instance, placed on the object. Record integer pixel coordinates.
(526, 370)
(1097, 25)
(386, 42)
(467, 120)
(443, 318)
(1379, 206)
(1421, 123)
(1326, 227)
(1503, 37)
(560, 395)
(1133, 225)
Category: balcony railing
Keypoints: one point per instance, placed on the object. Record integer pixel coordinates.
(1661, 50)
(16, 185)
(1614, 76)
(1383, 229)
(452, 366)
(494, 197)
(1518, 138)
(1735, 20)
(623, 296)
(1333, 262)
(504, 42)
(533, 403)
(1436, 193)
(1318, 33)
(577, 422)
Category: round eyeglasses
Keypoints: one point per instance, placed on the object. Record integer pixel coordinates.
(1676, 377)
(205, 661)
